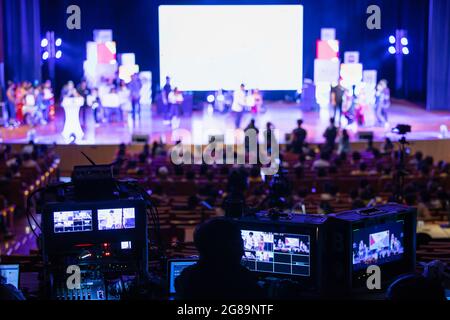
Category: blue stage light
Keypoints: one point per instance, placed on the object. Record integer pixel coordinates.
(392, 50)
(405, 50)
(404, 41)
(44, 42)
(391, 39)
(210, 98)
(45, 55)
(58, 42)
(58, 54)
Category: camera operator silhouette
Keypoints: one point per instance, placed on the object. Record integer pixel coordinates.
(219, 274)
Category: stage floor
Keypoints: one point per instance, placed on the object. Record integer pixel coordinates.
(425, 125)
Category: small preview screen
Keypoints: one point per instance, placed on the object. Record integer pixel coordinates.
(378, 244)
(277, 253)
(72, 221)
(116, 219)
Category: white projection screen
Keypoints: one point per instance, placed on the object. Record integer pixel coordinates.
(211, 47)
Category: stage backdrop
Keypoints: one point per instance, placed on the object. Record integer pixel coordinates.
(438, 97)
(204, 48)
(135, 26)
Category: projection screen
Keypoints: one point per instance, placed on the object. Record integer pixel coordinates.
(211, 47)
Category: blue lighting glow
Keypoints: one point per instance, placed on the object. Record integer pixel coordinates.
(391, 39)
(392, 50)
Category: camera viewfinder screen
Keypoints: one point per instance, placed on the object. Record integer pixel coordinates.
(377, 245)
(277, 253)
(72, 221)
(116, 219)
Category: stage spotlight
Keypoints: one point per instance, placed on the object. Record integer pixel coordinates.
(392, 50)
(44, 42)
(58, 42)
(210, 98)
(45, 55)
(391, 39)
(58, 54)
(405, 50)
(404, 41)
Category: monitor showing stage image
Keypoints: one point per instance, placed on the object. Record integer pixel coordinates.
(211, 47)
(72, 221)
(277, 253)
(10, 272)
(116, 219)
(378, 244)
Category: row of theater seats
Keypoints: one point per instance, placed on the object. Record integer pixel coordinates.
(15, 190)
(340, 182)
(174, 187)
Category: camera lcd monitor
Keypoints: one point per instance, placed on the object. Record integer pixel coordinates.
(72, 221)
(116, 219)
(378, 244)
(277, 253)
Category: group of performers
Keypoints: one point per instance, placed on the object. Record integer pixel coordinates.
(30, 104)
(237, 102)
(112, 97)
(27, 103)
(354, 106)
(34, 104)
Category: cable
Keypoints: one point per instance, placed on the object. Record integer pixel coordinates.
(28, 204)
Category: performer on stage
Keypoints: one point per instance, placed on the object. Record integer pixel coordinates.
(165, 92)
(69, 90)
(48, 99)
(258, 100)
(239, 104)
(337, 99)
(11, 104)
(383, 102)
(135, 87)
(176, 100)
(83, 91)
(167, 89)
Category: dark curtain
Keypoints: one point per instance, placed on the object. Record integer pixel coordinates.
(22, 40)
(438, 97)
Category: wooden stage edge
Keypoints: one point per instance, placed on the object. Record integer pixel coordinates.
(103, 154)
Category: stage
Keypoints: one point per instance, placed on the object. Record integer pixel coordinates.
(425, 126)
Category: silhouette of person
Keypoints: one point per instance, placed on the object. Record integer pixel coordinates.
(9, 292)
(219, 274)
(415, 287)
